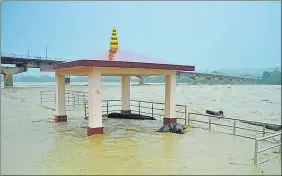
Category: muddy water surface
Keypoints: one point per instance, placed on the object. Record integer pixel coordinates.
(31, 143)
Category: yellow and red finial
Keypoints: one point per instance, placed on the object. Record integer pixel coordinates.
(113, 44)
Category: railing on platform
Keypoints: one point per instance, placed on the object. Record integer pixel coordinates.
(235, 121)
(76, 99)
(153, 109)
(257, 151)
(234, 125)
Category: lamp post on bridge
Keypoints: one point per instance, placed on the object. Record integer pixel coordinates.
(46, 50)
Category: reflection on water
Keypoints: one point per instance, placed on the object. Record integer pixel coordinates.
(33, 144)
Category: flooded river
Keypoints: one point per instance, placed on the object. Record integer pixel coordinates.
(31, 143)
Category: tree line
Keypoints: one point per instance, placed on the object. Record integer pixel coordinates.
(273, 78)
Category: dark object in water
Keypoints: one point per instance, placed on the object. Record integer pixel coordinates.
(129, 116)
(172, 128)
(218, 114)
(267, 126)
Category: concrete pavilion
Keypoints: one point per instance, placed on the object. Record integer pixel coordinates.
(125, 64)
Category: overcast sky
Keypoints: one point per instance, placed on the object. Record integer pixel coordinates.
(208, 35)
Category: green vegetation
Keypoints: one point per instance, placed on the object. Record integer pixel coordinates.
(273, 78)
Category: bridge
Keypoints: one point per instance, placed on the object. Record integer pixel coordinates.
(212, 77)
(22, 63)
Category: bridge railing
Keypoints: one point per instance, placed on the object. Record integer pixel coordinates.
(12, 55)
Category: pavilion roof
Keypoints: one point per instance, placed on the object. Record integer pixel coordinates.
(122, 59)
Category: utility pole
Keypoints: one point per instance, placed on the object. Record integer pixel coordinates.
(46, 51)
(28, 54)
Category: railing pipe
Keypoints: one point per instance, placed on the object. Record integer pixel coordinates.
(40, 97)
(85, 110)
(152, 109)
(107, 107)
(227, 118)
(209, 123)
(256, 152)
(189, 118)
(185, 115)
(234, 126)
(263, 133)
(139, 107)
(270, 136)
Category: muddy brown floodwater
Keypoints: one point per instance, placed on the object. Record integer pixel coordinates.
(31, 143)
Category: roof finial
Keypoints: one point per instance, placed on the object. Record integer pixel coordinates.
(113, 44)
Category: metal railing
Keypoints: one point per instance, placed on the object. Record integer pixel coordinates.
(257, 151)
(234, 124)
(271, 134)
(153, 109)
(32, 57)
(9, 89)
(75, 99)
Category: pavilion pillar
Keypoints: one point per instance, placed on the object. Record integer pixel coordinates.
(60, 99)
(170, 90)
(94, 103)
(125, 88)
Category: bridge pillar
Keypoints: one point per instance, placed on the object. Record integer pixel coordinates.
(141, 80)
(8, 80)
(170, 90)
(8, 73)
(210, 80)
(231, 80)
(243, 81)
(67, 80)
(234, 81)
(193, 80)
(221, 80)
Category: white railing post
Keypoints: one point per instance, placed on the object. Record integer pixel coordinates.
(107, 107)
(263, 130)
(55, 97)
(188, 118)
(40, 97)
(85, 116)
(73, 99)
(83, 97)
(152, 109)
(139, 107)
(78, 100)
(68, 97)
(234, 127)
(185, 111)
(209, 123)
(256, 152)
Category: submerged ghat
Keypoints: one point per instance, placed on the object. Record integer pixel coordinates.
(34, 144)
